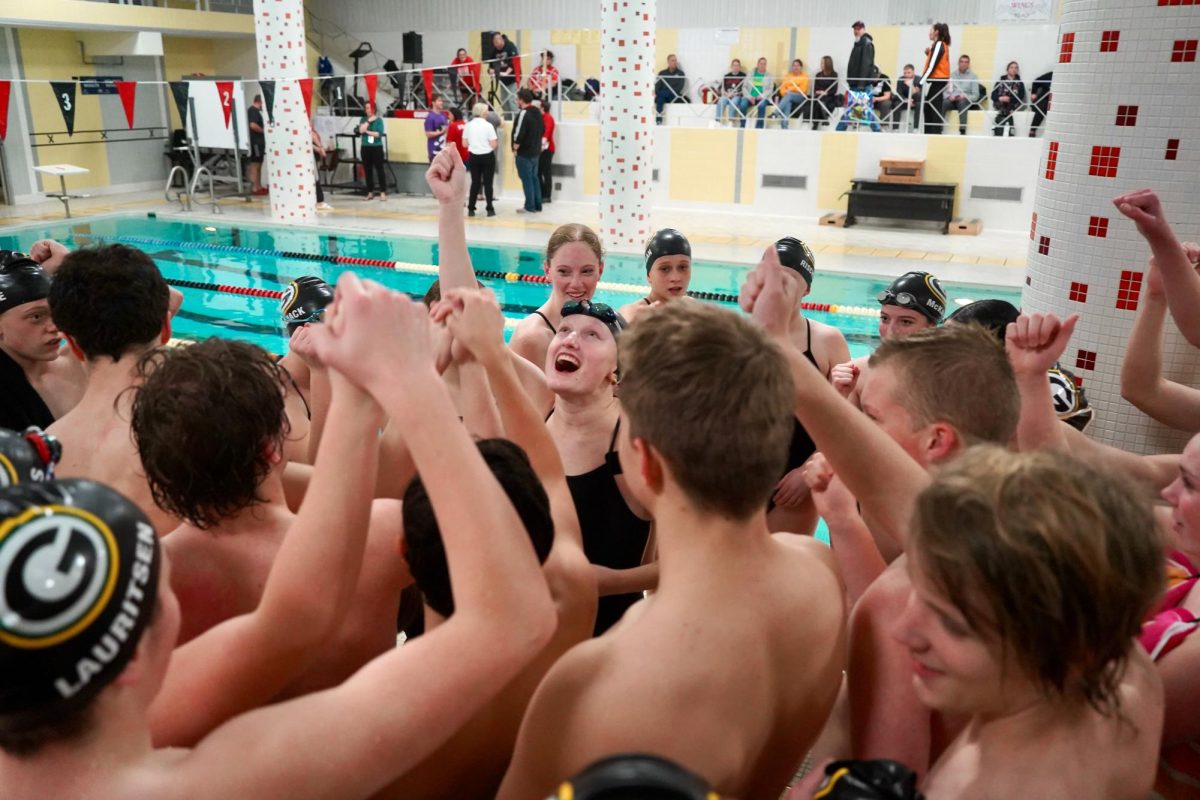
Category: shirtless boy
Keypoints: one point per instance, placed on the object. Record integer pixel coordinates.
(112, 305)
(342, 742)
(704, 459)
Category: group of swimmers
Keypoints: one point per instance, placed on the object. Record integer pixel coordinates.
(594, 539)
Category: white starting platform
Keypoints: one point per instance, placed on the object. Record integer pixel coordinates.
(62, 171)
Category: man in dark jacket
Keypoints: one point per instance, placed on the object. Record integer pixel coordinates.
(527, 147)
(671, 86)
(862, 58)
(1040, 97)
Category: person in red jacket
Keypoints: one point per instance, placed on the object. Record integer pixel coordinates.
(454, 133)
(547, 156)
(465, 72)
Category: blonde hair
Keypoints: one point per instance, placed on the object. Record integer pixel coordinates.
(574, 232)
(479, 110)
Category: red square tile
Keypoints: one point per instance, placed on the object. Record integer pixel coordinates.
(1033, 226)
(1109, 41)
(1079, 292)
(1129, 291)
(1127, 116)
(1051, 161)
(1172, 149)
(1184, 50)
(1044, 245)
(1085, 359)
(1066, 48)
(1098, 227)
(1104, 161)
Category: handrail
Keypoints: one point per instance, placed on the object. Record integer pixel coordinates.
(212, 192)
(184, 196)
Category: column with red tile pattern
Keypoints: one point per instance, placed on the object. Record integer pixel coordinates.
(627, 39)
(1122, 120)
(289, 170)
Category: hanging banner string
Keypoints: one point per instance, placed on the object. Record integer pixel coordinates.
(199, 78)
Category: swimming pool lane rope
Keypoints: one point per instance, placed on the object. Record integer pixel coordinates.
(429, 269)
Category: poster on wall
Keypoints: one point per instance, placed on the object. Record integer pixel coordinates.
(1024, 10)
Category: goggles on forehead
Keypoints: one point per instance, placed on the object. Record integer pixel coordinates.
(907, 300)
(599, 311)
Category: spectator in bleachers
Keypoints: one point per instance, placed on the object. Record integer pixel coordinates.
(963, 94)
(733, 89)
(543, 81)
(935, 76)
(1039, 96)
(862, 58)
(465, 72)
(1008, 95)
(670, 87)
(881, 92)
(504, 70)
(908, 94)
(761, 88)
(825, 92)
(793, 93)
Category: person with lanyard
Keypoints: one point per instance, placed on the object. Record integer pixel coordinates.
(371, 126)
(791, 509)
(582, 372)
(436, 124)
(934, 77)
(40, 384)
(668, 271)
(574, 263)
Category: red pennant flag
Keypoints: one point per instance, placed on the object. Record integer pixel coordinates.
(372, 82)
(225, 93)
(4, 89)
(306, 92)
(127, 90)
(427, 79)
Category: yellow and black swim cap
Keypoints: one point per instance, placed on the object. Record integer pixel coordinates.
(635, 776)
(79, 569)
(796, 255)
(28, 456)
(304, 300)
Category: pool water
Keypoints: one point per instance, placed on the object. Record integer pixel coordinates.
(188, 251)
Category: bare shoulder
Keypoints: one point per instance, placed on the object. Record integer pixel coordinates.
(531, 338)
(806, 549)
(629, 311)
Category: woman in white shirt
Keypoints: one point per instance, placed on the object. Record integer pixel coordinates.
(481, 141)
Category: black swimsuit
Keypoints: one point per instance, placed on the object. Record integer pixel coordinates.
(20, 403)
(613, 536)
(802, 446)
(296, 386)
(547, 321)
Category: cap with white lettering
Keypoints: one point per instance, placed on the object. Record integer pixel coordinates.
(79, 568)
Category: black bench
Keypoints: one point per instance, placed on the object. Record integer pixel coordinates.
(926, 202)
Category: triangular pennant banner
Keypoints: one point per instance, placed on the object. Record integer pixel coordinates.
(268, 93)
(427, 80)
(5, 86)
(179, 90)
(372, 81)
(225, 95)
(64, 93)
(128, 91)
(306, 93)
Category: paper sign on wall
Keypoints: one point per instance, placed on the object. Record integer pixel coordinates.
(1023, 10)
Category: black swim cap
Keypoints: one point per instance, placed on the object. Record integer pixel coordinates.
(875, 779)
(605, 313)
(636, 777)
(26, 457)
(22, 280)
(796, 255)
(304, 300)
(79, 568)
(1070, 401)
(667, 242)
(919, 291)
(995, 315)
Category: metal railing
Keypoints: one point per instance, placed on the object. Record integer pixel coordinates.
(226, 6)
(212, 191)
(184, 195)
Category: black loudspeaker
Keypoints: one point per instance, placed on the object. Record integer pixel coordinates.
(486, 47)
(413, 48)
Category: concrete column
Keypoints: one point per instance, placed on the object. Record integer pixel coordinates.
(627, 38)
(289, 170)
(1123, 117)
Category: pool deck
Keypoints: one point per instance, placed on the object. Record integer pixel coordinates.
(993, 258)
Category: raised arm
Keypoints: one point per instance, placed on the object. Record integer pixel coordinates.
(1142, 381)
(242, 663)
(448, 182)
(352, 740)
(884, 478)
(1180, 281)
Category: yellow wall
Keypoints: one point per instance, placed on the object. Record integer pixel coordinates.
(53, 54)
(773, 43)
(749, 160)
(702, 165)
(406, 140)
(802, 37)
(185, 55)
(591, 160)
(887, 48)
(666, 43)
(839, 159)
(979, 42)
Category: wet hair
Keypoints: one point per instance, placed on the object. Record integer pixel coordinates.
(434, 292)
(726, 444)
(110, 299)
(943, 31)
(573, 232)
(1051, 557)
(206, 420)
(958, 374)
(425, 552)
